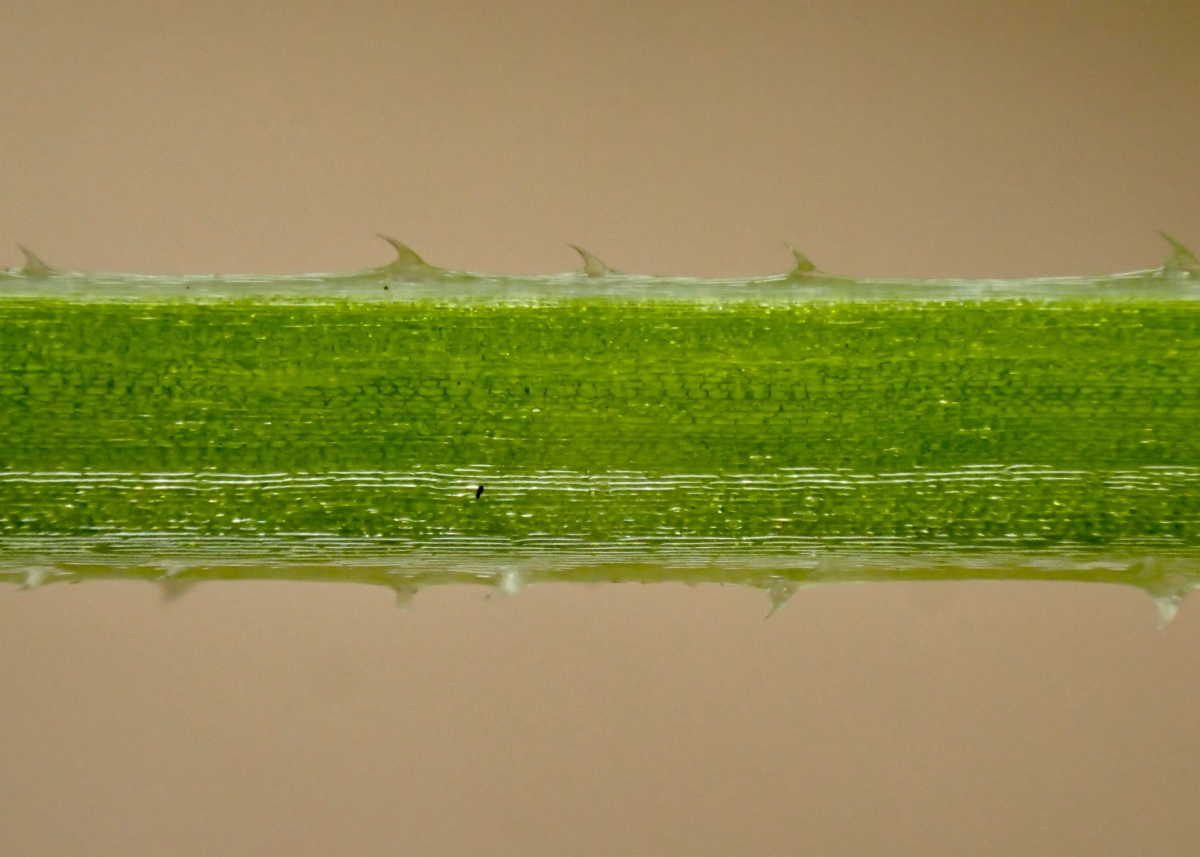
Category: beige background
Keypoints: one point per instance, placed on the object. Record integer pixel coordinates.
(924, 139)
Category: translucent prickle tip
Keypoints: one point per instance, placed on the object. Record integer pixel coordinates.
(1183, 262)
(1168, 595)
(804, 265)
(510, 581)
(173, 588)
(1168, 608)
(407, 265)
(405, 593)
(35, 576)
(779, 593)
(33, 267)
(592, 266)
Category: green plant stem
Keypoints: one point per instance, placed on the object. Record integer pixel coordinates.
(772, 431)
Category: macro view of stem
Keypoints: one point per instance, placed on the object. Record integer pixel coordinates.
(410, 425)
